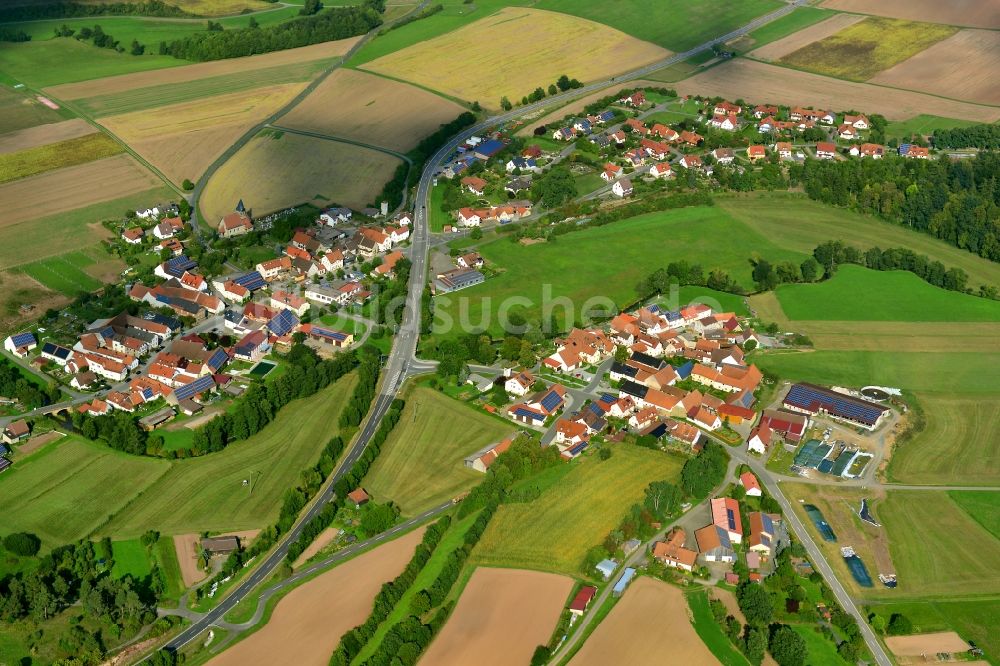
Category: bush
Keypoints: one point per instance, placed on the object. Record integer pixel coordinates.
(187, 185)
(22, 543)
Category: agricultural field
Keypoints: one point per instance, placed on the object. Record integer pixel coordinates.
(307, 623)
(801, 224)
(675, 26)
(62, 492)
(957, 12)
(924, 125)
(73, 187)
(858, 293)
(67, 153)
(501, 617)
(19, 110)
(576, 265)
(650, 620)
(491, 69)
(782, 47)
(276, 170)
(960, 67)
(137, 88)
(41, 135)
(182, 140)
(982, 507)
(800, 19)
(759, 82)
(207, 493)
(421, 464)
(352, 104)
(863, 49)
(957, 445)
(553, 532)
(17, 289)
(974, 619)
(68, 273)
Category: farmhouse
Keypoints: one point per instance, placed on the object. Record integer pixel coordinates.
(482, 459)
(236, 223)
(582, 600)
(789, 425)
(622, 188)
(811, 399)
(672, 552)
(222, 545)
(726, 516)
(20, 344)
(714, 544)
(15, 431)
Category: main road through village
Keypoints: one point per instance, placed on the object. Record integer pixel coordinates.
(402, 361)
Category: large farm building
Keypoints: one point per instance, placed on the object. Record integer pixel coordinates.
(812, 399)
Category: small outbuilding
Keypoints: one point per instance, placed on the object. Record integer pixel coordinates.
(358, 497)
(222, 545)
(606, 568)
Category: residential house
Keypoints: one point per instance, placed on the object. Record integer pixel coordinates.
(622, 188)
(273, 268)
(611, 172)
(564, 134)
(784, 150)
(788, 424)
(672, 552)
(914, 152)
(283, 299)
(636, 126)
(638, 98)
(872, 150)
(579, 347)
(759, 440)
(388, 265)
(756, 152)
(332, 260)
(474, 185)
(666, 133)
(15, 431)
(847, 132)
(252, 347)
(322, 294)
(826, 150)
(518, 184)
(482, 460)
(470, 217)
(520, 383)
(726, 515)
(618, 137)
(762, 110)
(728, 122)
(727, 108)
(750, 484)
(723, 155)
(690, 162)
(536, 409)
(661, 170)
(762, 533)
(859, 122)
(470, 260)
(133, 235)
(20, 344)
(655, 149)
(168, 227)
(582, 600)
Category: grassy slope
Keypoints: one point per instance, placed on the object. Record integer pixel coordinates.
(802, 17)
(208, 494)
(822, 652)
(982, 507)
(40, 159)
(798, 223)
(553, 532)
(856, 293)
(421, 464)
(577, 265)
(42, 64)
(676, 26)
(130, 558)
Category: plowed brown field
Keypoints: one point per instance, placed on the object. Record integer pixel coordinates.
(814, 33)
(44, 134)
(974, 13)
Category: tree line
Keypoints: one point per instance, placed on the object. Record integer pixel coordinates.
(977, 136)
(956, 201)
(328, 25)
(66, 9)
(13, 384)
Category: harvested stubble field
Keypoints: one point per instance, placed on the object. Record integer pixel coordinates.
(270, 174)
(41, 135)
(421, 464)
(182, 140)
(964, 66)
(489, 68)
(927, 337)
(73, 187)
(71, 152)
(501, 617)
(760, 82)
(352, 104)
(795, 41)
(553, 532)
(919, 645)
(126, 83)
(862, 50)
(974, 13)
(651, 620)
(957, 446)
(306, 624)
(19, 111)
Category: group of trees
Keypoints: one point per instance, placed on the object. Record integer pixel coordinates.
(555, 187)
(682, 273)
(13, 384)
(704, 471)
(978, 136)
(66, 9)
(562, 84)
(957, 201)
(12, 35)
(368, 373)
(331, 24)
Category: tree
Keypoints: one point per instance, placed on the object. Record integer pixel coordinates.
(755, 603)
(878, 622)
(24, 544)
(764, 275)
(310, 7)
(552, 89)
(754, 645)
(809, 270)
(899, 625)
(505, 104)
(787, 647)
(563, 83)
(137, 48)
(541, 655)
(662, 498)
(253, 23)
(163, 658)
(556, 187)
(377, 518)
(187, 185)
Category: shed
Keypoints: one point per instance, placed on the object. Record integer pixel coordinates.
(358, 497)
(582, 599)
(157, 418)
(623, 582)
(606, 568)
(222, 545)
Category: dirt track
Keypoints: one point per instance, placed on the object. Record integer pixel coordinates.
(919, 644)
(651, 621)
(974, 13)
(306, 625)
(782, 47)
(501, 617)
(964, 66)
(320, 542)
(759, 83)
(41, 135)
(185, 546)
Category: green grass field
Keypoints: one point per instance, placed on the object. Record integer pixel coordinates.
(554, 532)
(576, 265)
(982, 507)
(130, 558)
(798, 223)
(720, 301)
(61, 274)
(709, 631)
(207, 493)
(957, 446)
(64, 492)
(40, 159)
(19, 110)
(421, 464)
(141, 99)
(923, 124)
(857, 293)
(802, 17)
(676, 26)
(822, 651)
(973, 619)
(946, 372)
(860, 51)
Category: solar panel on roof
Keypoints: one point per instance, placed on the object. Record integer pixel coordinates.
(218, 359)
(252, 281)
(283, 323)
(731, 519)
(147, 393)
(329, 333)
(23, 339)
(551, 400)
(523, 411)
(813, 399)
(199, 385)
(4, 464)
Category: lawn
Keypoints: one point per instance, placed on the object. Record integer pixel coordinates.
(710, 631)
(207, 493)
(130, 558)
(798, 223)
(945, 372)
(864, 49)
(982, 507)
(576, 265)
(39, 159)
(676, 26)
(956, 447)
(973, 619)
(822, 651)
(861, 294)
(554, 532)
(421, 464)
(802, 17)
(923, 124)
